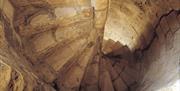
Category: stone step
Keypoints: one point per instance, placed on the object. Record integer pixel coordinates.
(105, 82)
(91, 76)
(128, 73)
(123, 52)
(119, 66)
(72, 78)
(110, 45)
(49, 74)
(60, 57)
(130, 76)
(117, 50)
(118, 84)
(57, 39)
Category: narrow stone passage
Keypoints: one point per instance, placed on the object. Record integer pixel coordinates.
(89, 45)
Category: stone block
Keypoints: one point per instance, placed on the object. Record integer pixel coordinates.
(119, 85)
(43, 41)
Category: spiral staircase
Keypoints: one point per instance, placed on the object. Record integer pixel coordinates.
(59, 45)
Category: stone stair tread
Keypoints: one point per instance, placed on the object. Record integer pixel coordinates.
(105, 82)
(91, 76)
(59, 58)
(118, 84)
(73, 77)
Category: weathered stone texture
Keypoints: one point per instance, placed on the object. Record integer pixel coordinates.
(161, 61)
(58, 45)
(132, 21)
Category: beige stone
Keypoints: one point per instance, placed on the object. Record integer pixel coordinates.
(5, 76)
(88, 45)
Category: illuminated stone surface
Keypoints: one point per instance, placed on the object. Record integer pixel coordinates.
(88, 45)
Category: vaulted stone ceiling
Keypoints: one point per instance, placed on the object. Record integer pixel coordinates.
(85, 45)
(132, 22)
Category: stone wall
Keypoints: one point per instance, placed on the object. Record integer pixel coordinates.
(132, 21)
(161, 60)
(49, 45)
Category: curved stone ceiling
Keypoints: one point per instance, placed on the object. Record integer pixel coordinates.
(56, 44)
(129, 21)
(132, 22)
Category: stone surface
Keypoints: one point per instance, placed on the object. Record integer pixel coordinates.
(161, 61)
(105, 82)
(5, 76)
(91, 76)
(132, 21)
(58, 45)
